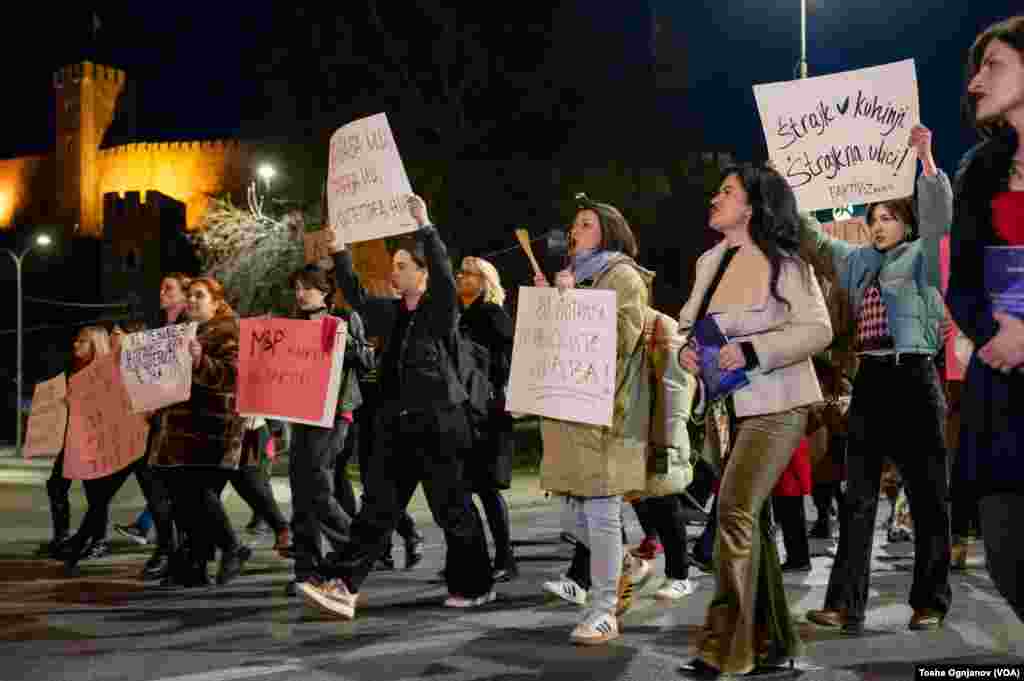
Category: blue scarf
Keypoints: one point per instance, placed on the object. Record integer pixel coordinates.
(590, 263)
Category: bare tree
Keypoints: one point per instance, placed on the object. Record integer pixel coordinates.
(251, 254)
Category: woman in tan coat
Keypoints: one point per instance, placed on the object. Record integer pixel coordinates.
(594, 466)
(768, 304)
(201, 439)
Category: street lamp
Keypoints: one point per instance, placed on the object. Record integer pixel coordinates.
(43, 240)
(266, 173)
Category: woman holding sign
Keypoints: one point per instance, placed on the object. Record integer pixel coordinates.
(90, 343)
(766, 301)
(199, 442)
(422, 431)
(594, 466)
(893, 285)
(989, 212)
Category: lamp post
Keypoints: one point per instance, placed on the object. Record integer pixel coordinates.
(803, 38)
(43, 240)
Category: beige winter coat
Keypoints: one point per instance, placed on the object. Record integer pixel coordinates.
(594, 461)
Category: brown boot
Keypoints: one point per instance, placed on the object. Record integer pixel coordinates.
(826, 617)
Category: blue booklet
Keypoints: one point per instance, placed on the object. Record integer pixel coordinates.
(710, 340)
(1004, 278)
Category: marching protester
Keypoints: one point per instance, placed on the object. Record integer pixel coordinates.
(489, 465)
(99, 492)
(252, 482)
(316, 512)
(90, 342)
(198, 443)
(592, 466)
(766, 299)
(422, 431)
(990, 212)
(173, 304)
(893, 285)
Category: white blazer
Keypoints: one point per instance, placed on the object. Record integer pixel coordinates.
(784, 338)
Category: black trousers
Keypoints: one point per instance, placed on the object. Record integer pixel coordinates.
(907, 395)
(414, 447)
(58, 489)
(343, 490)
(366, 429)
(98, 493)
(791, 516)
(315, 511)
(666, 516)
(198, 509)
(253, 484)
(1003, 549)
(158, 500)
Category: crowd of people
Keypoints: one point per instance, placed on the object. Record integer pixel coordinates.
(777, 286)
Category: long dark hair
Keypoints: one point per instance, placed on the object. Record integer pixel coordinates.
(774, 221)
(616, 234)
(1011, 32)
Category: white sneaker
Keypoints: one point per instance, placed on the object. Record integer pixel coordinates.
(567, 590)
(331, 597)
(595, 631)
(454, 601)
(674, 589)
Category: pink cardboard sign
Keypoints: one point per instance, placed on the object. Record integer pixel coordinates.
(104, 435)
(48, 420)
(290, 369)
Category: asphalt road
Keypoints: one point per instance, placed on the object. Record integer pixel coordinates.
(106, 625)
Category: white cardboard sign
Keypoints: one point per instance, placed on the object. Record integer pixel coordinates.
(367, 188)
(844, 138)
(563, 356)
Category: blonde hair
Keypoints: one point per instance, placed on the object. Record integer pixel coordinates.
(493, 292)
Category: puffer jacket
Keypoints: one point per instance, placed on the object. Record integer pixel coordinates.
(909, 277)
(591, 461)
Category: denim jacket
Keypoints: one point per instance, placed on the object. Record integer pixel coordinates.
(908, 274)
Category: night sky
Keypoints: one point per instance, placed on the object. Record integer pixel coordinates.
(575, 73)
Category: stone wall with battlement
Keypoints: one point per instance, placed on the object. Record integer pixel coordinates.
(190, 172)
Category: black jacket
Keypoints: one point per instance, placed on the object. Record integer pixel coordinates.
(490, 326)
(991, 443)
(426, 377)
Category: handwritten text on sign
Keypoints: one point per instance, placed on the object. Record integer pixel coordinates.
(48, 419)
(843, 138)
(287, 372)
(367, 187)
(563, 358)
(104, 435)
(156, 366)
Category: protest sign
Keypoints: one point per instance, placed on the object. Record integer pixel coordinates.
(290, 369)
(156, 366)
(563, 356)
(367, 188)
(104, 435)
(48, 419)
(844, 138)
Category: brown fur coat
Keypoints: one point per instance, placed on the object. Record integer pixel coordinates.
(206, 430)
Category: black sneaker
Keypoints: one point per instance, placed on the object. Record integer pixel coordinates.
(97, 549)
(231, 564)
(384, 564)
